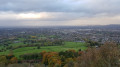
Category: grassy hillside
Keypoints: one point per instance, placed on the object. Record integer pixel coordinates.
(67, 46)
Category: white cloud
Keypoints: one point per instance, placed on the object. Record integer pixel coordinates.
(56, 18)
(43, 16)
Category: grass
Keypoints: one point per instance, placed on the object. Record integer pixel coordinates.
(52, 36)
(67, 46)
(21, 39)
(17, 44)
(1, 47)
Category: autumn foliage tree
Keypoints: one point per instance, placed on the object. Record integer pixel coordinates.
(51, 59)
(13, 60)
(105, 56)
(3, 60)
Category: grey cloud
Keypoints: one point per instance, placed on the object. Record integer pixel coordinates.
(62, 11)
(88, 6)
(32, 5)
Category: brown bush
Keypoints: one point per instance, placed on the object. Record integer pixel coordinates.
(105, 56)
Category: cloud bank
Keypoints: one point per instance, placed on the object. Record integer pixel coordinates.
(59, 12)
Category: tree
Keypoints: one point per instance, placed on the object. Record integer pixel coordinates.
(105, 56)
(3, 60)
(51, 59)
(69, 64)
(13, 60)
(38, 47)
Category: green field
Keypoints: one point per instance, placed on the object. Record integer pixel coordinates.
(67, 46)
(17, 44)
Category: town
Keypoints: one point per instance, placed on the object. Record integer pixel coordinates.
(63, 45)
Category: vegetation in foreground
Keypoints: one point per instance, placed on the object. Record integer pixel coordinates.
(107, 55)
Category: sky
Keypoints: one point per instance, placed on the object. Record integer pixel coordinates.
(59, 12)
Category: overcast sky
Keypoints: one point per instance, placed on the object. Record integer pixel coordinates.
(59, 12)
